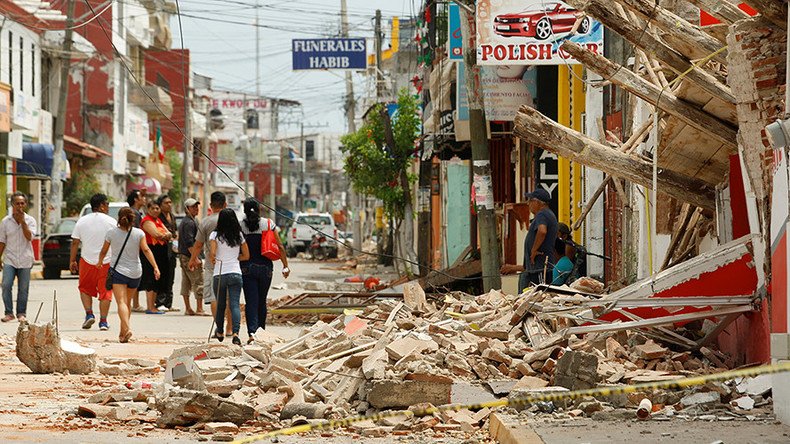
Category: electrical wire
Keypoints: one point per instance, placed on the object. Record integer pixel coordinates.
(244, 191)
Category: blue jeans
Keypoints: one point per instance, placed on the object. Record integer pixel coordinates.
(23, 284)
(228, 287)
(257, 279)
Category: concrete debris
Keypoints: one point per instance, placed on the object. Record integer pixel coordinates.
(410, 355)
(133, 366)
(42, 350)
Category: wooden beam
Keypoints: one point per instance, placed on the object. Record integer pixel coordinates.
(606, 13)
(685, 217)
(676, 26)
(664, 320)
(722, 10)
(774, 11)
(536, 128)
(664, 100)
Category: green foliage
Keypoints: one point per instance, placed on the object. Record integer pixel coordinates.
(373, 167)
(78, 191)
(176, 165)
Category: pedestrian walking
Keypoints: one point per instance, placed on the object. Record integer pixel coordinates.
(257, 272)
(157, 237)
(128, 244)
(205, 228)
(16, 249)
(164, 299)
(191, 280)
(136, 200)
(90, 233)
(227, 248)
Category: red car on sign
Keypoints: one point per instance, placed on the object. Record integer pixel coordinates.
(554, 18)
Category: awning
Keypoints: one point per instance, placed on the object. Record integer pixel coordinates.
(149, 184)
(76, 146)
(37, 159)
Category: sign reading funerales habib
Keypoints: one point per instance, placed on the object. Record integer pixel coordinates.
(341, 53)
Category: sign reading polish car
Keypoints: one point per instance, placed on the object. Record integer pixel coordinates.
(341, 53)
(530, 32)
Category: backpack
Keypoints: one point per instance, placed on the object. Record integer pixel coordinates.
(269, 247)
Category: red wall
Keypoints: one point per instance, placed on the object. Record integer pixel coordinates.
(259, 175)
(169, 70)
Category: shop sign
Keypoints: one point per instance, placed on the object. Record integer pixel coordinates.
(506, 88)
(341, 53)
(530, 32)
(221, 180)
(5, 109)
(455, 40)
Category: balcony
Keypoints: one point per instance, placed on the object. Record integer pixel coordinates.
(160, 108)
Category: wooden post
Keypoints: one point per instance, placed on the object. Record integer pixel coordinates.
(664, 100)
(723, 10)
(608, 15)
(676, 27)
(536, 128)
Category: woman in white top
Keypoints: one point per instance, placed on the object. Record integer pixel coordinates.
(227, 248)
(127, 242)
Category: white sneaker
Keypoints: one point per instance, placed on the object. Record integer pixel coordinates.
(161, 308)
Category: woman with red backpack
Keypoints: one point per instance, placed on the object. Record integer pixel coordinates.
(265, 248)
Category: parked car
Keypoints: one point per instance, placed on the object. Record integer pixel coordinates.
(115, 207)
(300, 233)
(542, 23)
(57, 248)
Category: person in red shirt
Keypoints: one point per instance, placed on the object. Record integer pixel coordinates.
(158, 237)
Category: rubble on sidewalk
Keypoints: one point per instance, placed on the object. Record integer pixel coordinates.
(42, 350)
(401, 357)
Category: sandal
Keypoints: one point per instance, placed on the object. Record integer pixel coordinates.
(236, 340)
(219, 336)
(138, 309)
(250, 340)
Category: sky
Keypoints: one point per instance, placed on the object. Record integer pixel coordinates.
(226, 51)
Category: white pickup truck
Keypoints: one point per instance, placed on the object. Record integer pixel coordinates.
(300, 233)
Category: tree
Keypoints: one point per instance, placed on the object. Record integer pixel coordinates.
(380, 169)
(78, 191)
(176, 165)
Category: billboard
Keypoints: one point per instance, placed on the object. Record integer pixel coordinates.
(506, 88)
(455, 40)
(530, 32)
(345, 53)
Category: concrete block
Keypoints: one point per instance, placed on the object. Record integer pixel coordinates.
(577, 370)
(392, 394)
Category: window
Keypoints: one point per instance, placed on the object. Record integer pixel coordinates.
(21, 64)
(315, 220)
(10, 58)
(309, 149)
(33, 69)
(138, 64)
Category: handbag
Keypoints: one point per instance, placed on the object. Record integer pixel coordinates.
(269, 247)
(108, 281)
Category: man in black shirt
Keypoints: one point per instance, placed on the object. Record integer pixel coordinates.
(539, 245)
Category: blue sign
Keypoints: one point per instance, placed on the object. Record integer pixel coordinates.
(455, 40)
(329, 54)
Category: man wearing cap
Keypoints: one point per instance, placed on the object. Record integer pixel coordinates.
(539, 245)
(191, 280)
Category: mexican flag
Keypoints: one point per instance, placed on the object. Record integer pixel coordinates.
(160, 147)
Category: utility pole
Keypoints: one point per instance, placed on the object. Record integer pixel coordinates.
(60, 123)
(246, 146)
(351, 105)
(481, 165)
(186, 168)
(204, 161)
(379, 74)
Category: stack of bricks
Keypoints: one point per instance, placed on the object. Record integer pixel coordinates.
(756, 74)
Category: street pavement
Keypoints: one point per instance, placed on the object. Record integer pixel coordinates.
(172, 325)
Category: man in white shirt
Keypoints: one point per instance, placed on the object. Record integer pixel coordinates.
(16, 248)
(89, 232)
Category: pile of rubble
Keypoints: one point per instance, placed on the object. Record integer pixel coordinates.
(401, 357)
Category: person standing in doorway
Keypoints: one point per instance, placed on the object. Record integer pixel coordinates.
(16, 249)
(136, 201)
(191, 280)
(164, 300)
(257, 272)
(539, 244)
(90, 233)
(128, 244)
(227, 249)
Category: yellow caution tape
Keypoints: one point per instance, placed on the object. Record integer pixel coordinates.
(675, 384)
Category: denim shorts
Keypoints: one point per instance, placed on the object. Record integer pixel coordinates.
(120, 279)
